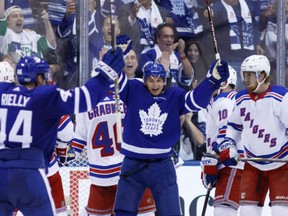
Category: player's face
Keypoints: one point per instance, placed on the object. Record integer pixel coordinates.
(155, 85)
(131, 64)
(250, 80)
(15, 21)
(166, 39)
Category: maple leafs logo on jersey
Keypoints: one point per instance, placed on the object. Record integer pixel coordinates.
(152, 122)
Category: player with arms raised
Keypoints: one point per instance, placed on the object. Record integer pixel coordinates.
(29, 118)
(151, 127)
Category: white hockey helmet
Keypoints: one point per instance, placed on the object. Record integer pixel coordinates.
(6, 72)
(257, 64)
(232, 79)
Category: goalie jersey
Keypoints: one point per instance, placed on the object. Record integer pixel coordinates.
(96, 131)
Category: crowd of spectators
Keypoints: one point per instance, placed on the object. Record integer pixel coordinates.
(175, 33)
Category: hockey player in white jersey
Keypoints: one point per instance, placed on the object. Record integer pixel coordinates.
(260, 121)
(225, 179)
(151, 127)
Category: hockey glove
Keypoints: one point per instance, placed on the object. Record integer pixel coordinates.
(124, 42)
(227, 151)
(218, 72)
(111, 65)
(64, 151)
(209, 164)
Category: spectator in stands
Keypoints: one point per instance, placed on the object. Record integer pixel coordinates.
(131, 64)
(237, 31)
(13, 38)
(195, 56)
(103, 40)
(139, 20)
(187, 16)
(179, 69)
(192, 138)
(67, 30)
(270, 39)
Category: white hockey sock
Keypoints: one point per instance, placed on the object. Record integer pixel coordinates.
(224, 210)
(279, 210)
(251, 210)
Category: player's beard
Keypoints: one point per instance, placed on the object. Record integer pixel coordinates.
(251, 87)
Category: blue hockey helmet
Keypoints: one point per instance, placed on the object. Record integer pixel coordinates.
(29, 67)
(155, 70)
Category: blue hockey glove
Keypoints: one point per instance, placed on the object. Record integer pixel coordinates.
(124, 42)
(111, 65)
(64, 151)
(218, 72)
(227, 151)
(209, 164)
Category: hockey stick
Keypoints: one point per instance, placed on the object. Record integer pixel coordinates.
(206, 200)
(116, 82)
(217, 55)
(257, 159)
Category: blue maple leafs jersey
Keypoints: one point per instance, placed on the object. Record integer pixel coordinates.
(152, 124)
(29, 119)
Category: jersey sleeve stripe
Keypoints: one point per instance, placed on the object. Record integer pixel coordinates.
(77, 99)
(87, 97)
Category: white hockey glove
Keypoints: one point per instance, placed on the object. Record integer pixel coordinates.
(64, 151)
(218, 72)
(111, 65)
(209, 168)
(227, 151)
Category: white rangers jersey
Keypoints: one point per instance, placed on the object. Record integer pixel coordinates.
(96, 130)
(216, 124)
(261, 122)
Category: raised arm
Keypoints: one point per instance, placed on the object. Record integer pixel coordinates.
(50, 36)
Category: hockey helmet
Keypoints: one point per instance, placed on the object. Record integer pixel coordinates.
(6, 72)
(155, 70)
(257, 64)
(29, 67)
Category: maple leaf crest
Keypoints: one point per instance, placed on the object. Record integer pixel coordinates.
(152, 122)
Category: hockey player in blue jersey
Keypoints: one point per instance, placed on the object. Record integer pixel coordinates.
(151, 127)
(29, 117)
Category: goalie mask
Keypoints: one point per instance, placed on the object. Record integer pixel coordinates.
(28, 68)
(155, 70)
(6, 72)
(257, 64)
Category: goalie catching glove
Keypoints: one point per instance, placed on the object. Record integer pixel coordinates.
(209, 164)
(64, 151)
(218, 72)
(227, 152)
(111, 65)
